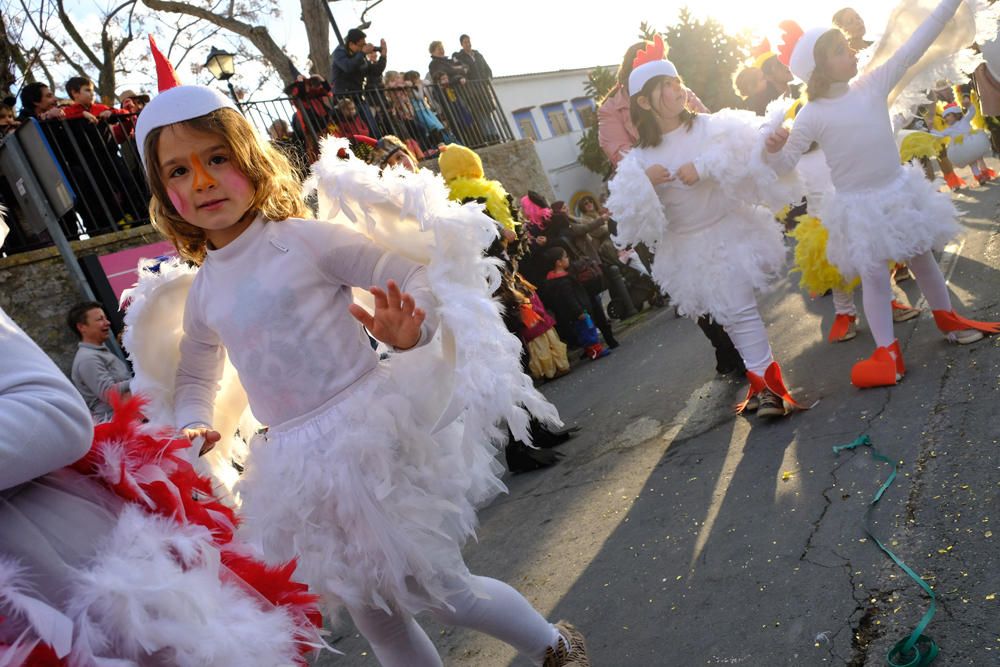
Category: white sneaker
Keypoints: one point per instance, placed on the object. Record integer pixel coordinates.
(964, 337)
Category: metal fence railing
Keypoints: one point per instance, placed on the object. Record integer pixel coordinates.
(469, 114)
(102, 165)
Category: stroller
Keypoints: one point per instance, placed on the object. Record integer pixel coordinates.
(642, 289)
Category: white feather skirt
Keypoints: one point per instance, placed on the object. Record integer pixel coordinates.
(699, 269)
(374, 507)
(903, 219)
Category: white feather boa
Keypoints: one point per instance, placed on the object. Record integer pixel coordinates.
(153, 327)
(635, 205)
(734, 156)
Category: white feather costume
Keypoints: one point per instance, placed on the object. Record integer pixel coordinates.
(375, 492)
(717, 233)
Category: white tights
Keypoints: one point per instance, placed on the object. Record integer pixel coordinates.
(877, 294)
(746, 329)
(843, 302)
(398, 641)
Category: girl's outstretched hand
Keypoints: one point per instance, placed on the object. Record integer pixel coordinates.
(776, 141)
(397, 319)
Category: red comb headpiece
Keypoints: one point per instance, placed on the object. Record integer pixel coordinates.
(761, 49)
(791, 32)
(166, 77)
(652, 53)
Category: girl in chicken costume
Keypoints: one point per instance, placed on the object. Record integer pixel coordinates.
(691, 190)
(880, 211)
(367, 472)
(124, 557)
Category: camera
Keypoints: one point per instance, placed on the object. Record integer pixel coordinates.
(376, 49)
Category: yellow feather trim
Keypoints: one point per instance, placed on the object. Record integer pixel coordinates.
(818, 275)
(493, 192)
(921, 145)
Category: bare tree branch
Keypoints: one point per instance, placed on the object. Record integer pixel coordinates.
(255, 34)
(44, 34)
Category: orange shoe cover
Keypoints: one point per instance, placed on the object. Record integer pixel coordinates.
(948, 321)
(757, 385)
(989, 174)
(841, 323)
(896, 305)
(878, 370)
(898, 355)
(954, 181)
(772, 376)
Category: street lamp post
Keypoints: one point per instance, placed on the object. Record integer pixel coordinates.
(221, 66)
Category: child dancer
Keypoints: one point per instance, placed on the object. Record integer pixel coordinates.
(968, 146)
(354, 475)
(688, 189)
(880, 211)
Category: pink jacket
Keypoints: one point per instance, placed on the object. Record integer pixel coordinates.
(615, 131)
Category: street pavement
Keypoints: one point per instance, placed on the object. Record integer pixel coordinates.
(674, 533)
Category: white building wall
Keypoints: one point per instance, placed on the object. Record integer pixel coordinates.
(558, 153)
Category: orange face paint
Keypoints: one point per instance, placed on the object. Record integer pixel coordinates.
(200, 176)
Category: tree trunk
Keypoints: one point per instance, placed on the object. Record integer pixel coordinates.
(317, 23)
(257, 35)
(11, 56)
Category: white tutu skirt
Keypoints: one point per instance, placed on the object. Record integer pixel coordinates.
(700, 268)
(903, 219)
(373, 506)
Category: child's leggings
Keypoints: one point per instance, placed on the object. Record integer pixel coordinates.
(398, 641)
(877, 294)
(746, 329)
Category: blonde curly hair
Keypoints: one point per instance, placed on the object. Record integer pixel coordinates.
(277, 191)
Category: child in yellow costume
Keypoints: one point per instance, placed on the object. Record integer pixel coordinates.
(462, 170)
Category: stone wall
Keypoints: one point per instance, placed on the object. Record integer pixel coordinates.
(516, 165)
(37, 292)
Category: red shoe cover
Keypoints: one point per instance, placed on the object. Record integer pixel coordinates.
(989, 174)
(772, 376)
(898, 354)
(840, 325)
(757, 385)
(896, 305)
(879, 370)
(948, 321)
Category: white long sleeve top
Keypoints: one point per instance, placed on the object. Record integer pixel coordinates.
(276, 299)
(44, 423)
(852, 126)
(689, 207)
(962, 127)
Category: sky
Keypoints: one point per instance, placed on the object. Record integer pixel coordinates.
(522, 36)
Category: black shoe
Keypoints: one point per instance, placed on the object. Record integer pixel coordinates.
(521, 458)
(542, 437)
(611, 342)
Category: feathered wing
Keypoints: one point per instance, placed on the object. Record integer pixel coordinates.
(949, 57)
(635, 205)
(473, 369)
(733, 155)
(153, 329)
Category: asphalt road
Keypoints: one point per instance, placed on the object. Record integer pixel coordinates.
(674, 533)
